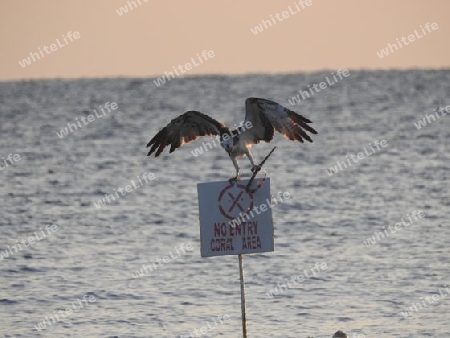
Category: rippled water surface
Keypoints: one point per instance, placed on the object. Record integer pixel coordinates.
(86, 262)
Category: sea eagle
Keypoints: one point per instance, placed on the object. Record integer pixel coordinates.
(262, 117)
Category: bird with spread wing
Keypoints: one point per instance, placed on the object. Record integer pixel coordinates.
(261, 119)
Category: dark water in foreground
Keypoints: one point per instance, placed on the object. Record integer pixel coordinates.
(86, 261)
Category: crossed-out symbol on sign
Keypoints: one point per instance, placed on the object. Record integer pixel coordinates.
(233, 200)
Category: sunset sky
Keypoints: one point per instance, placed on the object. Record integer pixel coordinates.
(156, 36)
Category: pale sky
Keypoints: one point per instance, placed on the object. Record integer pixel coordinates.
(159, 35)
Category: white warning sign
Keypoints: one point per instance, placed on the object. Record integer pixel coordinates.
(233, 221)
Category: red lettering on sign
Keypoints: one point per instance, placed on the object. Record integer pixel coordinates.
(222, 244)
(220, 229)
(251, 242)
(244, 229)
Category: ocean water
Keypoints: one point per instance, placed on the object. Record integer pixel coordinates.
(82, 273)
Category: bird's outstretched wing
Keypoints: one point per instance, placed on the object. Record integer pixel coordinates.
(183, 129)
(266, 115)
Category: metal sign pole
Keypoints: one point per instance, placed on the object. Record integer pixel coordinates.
(244, 318)
(241, 267)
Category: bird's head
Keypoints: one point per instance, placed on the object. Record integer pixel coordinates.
(226, 141)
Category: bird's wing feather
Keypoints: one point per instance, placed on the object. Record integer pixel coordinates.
(266, 115)
(183, 129)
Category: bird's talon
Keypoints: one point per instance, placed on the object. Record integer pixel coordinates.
(234, 179)
(256, 168)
